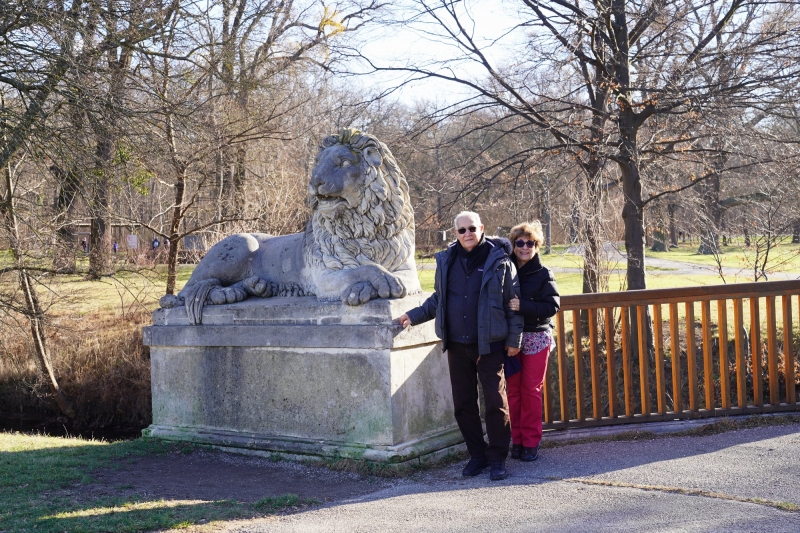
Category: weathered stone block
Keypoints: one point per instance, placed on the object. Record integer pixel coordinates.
(302, 377)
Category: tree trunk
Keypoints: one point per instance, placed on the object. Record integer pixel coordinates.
(177, 217)
(633, 218)
(239, 180)
(546, 218)
(172, 263)
(796, 232)
(712, 213)
(592, 244)
(100, 224)
(220, 180)
(591, 268)
(673, 228)
(628, 159)
(64, 260)
(64, 257)
(227, 191)
(575, 220)
(659, 240)
(105, 127)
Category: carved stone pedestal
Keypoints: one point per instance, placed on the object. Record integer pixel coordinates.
(302, 378)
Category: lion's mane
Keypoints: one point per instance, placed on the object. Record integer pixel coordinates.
(379, 230)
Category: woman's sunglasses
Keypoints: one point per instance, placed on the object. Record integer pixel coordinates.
(462, 231)
(522, 244)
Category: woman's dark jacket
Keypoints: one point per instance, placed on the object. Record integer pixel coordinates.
(539, 298)
(496, 321)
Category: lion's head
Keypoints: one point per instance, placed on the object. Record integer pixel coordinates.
(361, 208)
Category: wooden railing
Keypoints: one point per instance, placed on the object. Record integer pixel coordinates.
(603, 372)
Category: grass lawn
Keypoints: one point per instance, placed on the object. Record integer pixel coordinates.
(125, 291)
(45, 487)
(140, 289)
(783, 257)
(129, 290)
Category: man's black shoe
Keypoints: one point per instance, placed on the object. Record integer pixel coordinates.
(498, 471)
(516, 450)
(529, 454)
(475, 466)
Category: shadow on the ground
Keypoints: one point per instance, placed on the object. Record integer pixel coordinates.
(191, 486)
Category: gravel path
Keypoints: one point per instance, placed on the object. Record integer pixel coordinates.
(737, 481)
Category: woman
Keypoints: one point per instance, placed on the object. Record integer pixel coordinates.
(538, 302)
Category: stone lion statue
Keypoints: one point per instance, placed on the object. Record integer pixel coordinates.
(358, 245)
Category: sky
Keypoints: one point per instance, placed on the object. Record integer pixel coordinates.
(422, 41)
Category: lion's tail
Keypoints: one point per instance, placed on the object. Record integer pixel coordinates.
(195, 297)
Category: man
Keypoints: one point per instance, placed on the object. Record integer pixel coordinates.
(475, 281)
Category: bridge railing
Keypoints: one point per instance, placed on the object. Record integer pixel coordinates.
(638, 356)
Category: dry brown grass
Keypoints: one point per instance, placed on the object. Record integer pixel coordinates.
(95, 341)
(100, 362)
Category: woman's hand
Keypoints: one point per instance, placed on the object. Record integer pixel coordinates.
(404, 320)
(514, 303)
(511, 351)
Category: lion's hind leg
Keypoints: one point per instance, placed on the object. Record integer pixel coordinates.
(252, 286)
(227, 295)
(239, 291)
(256, 286)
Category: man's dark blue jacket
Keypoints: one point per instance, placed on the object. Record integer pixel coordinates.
(499, 284)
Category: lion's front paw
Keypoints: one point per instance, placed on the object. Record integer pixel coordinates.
(258, 287)
(360, 293)
(390, 286)
(226, 295)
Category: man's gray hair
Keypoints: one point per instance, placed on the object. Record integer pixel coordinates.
(467, 214)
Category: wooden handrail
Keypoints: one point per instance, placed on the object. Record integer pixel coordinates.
(613, 380)
(665, 296)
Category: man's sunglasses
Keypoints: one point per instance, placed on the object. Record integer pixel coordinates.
(462, 231)
(522, 244)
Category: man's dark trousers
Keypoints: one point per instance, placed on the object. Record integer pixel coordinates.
(465, 370)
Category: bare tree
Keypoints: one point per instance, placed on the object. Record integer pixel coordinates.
(249, 48)
(228, 85)
(631, 63)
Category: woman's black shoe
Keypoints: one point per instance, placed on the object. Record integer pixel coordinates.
(516, 450)
(529, 454)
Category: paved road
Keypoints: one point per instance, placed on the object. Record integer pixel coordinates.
(732, 482)
(680, 268)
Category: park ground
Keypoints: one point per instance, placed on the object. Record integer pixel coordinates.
(733, 475)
